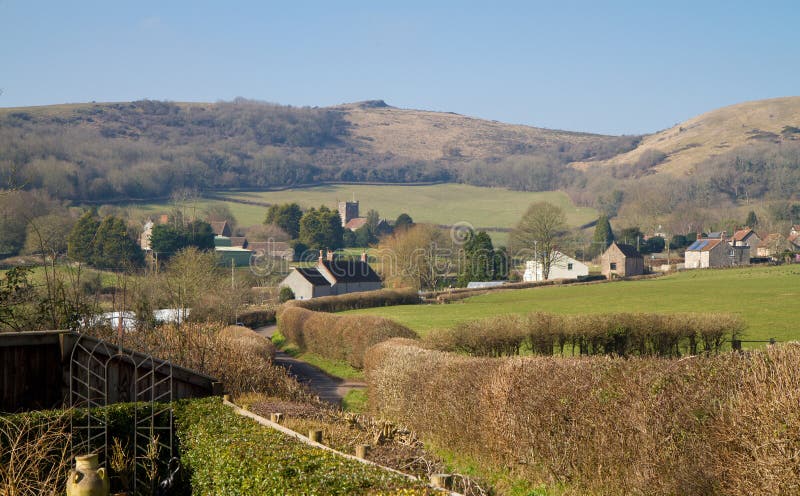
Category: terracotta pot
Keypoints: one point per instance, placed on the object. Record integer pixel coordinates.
(87, 478)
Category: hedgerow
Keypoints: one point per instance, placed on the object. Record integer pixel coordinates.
(227, 454)
(623, 334)
(720, 424)
(354, 301)
(339, 337)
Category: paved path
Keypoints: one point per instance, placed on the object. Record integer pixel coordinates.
(328, 388)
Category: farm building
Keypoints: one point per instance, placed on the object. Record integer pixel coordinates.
(332, 277)
(621, 260)
(562, 267)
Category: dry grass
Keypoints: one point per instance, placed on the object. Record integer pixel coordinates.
(725, 424)
(715, 132)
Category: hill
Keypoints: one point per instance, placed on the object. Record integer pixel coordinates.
(680, 149)
(147, 149)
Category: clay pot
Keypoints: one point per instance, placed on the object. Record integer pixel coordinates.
(87, 478)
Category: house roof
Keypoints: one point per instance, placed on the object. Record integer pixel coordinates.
(219, 227)
(704, 244)
(770, 240)
(269, 246)
(350, 271)
(312, 275)
(240, 241)
(742, 234)
(356, 223)
(716, 235)
(628, 250)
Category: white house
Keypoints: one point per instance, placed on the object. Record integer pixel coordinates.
(563, 267)
(332, 277)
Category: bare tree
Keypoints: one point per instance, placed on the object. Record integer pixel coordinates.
(541, 229)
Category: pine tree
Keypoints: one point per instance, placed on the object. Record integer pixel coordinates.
(113, 248)
(752, 220)
(80, 242)
(603, 236)
(478, 260)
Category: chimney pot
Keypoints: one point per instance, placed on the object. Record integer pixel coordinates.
(363, 256)
(320, 255)
(330, 256)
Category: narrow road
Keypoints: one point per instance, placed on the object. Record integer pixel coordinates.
(328, 388)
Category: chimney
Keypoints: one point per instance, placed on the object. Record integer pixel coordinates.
(320, 256)
(164, 219)
(363, 256)
(330, 256)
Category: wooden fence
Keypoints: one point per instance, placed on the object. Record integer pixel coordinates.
(35, 370)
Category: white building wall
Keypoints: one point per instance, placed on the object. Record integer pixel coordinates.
(564, 268)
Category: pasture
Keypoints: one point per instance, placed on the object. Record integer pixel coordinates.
(766, 298)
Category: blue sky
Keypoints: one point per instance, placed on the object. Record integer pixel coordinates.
(608, 67)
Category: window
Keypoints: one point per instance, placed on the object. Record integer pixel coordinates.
(569, 266)
(613, 265)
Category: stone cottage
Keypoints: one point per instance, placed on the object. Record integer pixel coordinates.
(621, 260)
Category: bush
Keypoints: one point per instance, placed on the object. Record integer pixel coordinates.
(722, 424)
(229, 454)
(338, 337)
(285, 294)
(622, 334)
(235, 355)
(354, 301)
(257, 317)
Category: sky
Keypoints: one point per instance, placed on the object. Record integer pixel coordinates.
(611, 67)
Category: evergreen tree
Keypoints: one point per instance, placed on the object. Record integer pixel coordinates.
(80, 242)
(167, 240)
(752, 220)
(321, 229)
(603, 236)
(113, 248)
(404, 221)
(478, 259)
(501, 264)
(199, 234)
(287, 217)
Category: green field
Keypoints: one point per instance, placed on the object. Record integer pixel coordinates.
(439, 204)
(767, 298)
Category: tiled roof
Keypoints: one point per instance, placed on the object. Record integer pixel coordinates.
(741, 234)
(351, 271)
(628, 250)
(219, 227)
(356, 223)
(268, 246)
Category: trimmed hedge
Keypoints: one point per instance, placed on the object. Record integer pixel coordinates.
(338, 337)
(723, 424)
(257, 318)
(354, 301)
(623, 334)
(228, 454)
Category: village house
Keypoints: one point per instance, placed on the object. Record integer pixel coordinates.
(773, 245)
(332, 276)
(562, 267)
(745, 237)
(621, 260)
(716, 252)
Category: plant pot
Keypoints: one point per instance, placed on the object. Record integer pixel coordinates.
(87, 478)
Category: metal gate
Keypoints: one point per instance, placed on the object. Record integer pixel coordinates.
(102, 374)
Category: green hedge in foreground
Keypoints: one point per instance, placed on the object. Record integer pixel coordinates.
(227, 454)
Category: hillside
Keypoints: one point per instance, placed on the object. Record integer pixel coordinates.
(147, 149)
(714, 134)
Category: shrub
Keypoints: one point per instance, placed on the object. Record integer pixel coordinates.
(235, 355)
(257, 317)
(229, 454)
(285, 294)
(354, 301)
(339, 337)
(720, 424)
(623, 334)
